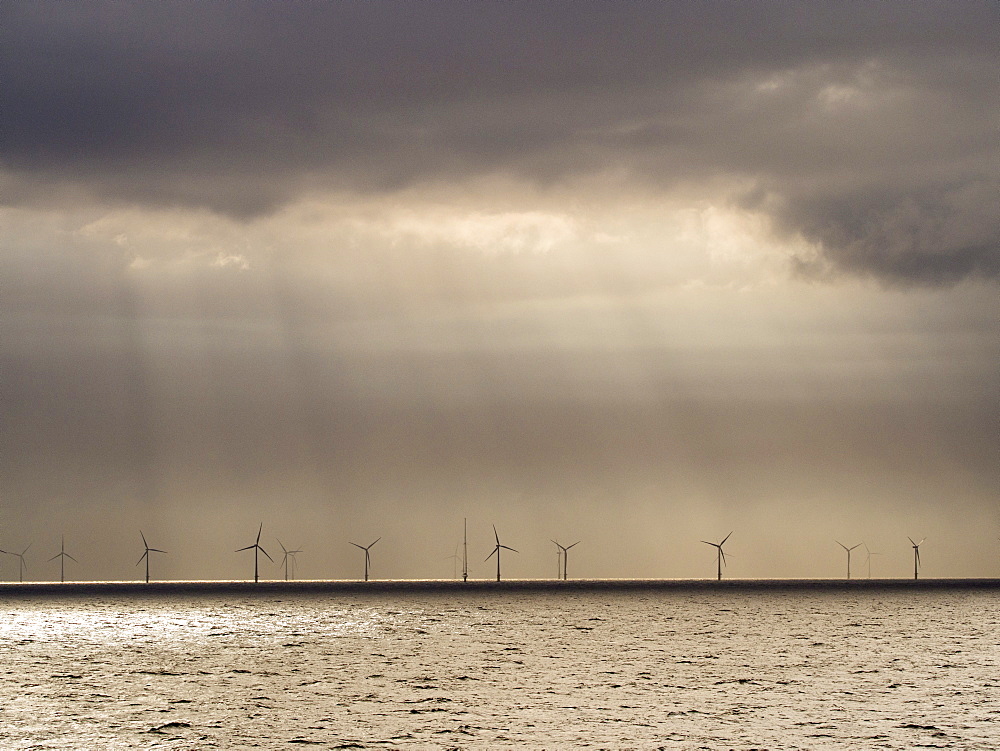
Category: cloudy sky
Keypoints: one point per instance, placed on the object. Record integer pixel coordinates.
(635, 275)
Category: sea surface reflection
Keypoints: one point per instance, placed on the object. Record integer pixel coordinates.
(684, 670)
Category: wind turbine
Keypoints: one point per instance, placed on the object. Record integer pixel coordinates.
(465, 549)
(496, 550)
(62, 555)
(721, 556)
(22, 565)
(146, 553)
(256, 548)
(868, 559)
(288, 555)
(454, 558)
(848, 549)
(564, 549)
(916, 554)
(368, 557)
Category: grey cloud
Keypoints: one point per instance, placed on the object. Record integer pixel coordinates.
(938, 234)
(241, 107)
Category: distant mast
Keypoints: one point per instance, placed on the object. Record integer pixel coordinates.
(465, 549)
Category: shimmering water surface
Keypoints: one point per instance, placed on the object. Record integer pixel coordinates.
(685, 670)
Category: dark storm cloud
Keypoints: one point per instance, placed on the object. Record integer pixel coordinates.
(869, 129)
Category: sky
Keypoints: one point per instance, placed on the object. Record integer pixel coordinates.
(638, 276)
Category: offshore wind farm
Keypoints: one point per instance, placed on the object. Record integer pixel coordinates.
(288, 563)
(698, 300)
(575, 311)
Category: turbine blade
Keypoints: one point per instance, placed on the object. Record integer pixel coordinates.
(280, 545)
(841, 544)
(259, 530)
(71, 558)
(155, 550)
(710, 543)
(495, 551)
(53, 557)
(143, 539)
(726, 538)
(7, 552)
(360, 547)
(140, 560)
(374, 542)
(495, 534)
(911, 540)
(248, 547)
(508, 548)
(265, 553)
(575, 543)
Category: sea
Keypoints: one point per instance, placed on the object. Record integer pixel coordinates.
(654, 665)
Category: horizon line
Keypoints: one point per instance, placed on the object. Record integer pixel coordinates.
(209, 586)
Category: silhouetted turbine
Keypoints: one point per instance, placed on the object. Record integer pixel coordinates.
(21, 564)
(564, 549)
(256, 548)
(62, 555)
(465, 549)
(916, 555)
(368, 557)
(145, 554)
(496, 550)
(848, 549)
(289, 555)
(720, 555)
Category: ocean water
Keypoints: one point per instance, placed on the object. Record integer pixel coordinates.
(699, 669)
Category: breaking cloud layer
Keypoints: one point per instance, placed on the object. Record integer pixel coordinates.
(636, 274)
(869, 131)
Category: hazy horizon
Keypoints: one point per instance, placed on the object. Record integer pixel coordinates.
(634, 276)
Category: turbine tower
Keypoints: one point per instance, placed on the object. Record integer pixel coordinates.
(465, 549)
(916, 555)
(720, 555)
(868, 558)
(368, 557)
(454, 558)
(848, 549)
(289, 555)
(256, 548)
(564, 550)
(496, 550)
(21, 564)
(62, 555)
(145, 554)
